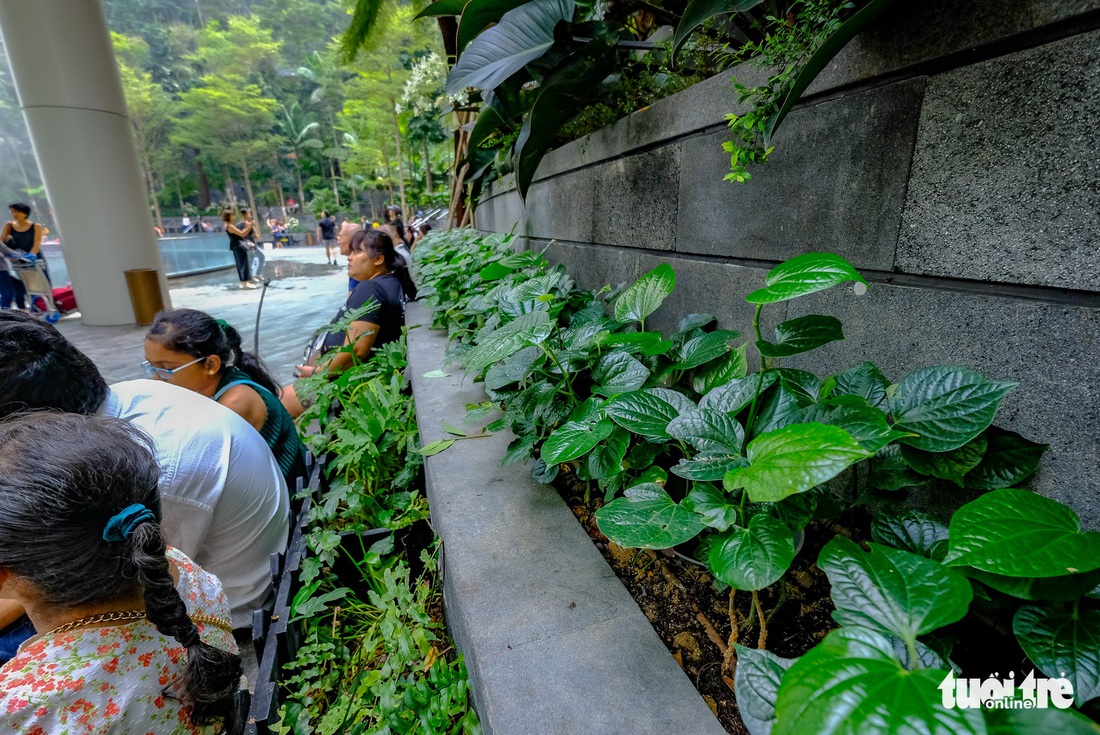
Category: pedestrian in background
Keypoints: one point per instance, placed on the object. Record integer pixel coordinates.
(240, 235)
(326, 230)
(25, 237)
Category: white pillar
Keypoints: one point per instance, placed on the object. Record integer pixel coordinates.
(64, 70)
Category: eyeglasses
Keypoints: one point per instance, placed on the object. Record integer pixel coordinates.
(155, 372)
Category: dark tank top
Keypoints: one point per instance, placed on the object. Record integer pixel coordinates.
(23, 240)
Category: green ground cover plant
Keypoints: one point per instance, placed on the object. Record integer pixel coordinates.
(375, 654)
(689, 447)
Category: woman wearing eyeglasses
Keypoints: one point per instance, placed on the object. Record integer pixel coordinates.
(191, 349)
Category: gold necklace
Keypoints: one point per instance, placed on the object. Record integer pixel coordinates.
(127, 616)
(111, 617)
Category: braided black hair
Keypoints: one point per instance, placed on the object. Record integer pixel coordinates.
(198, 334)
(62, 478)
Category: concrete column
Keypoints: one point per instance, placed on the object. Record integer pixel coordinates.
(69, 89)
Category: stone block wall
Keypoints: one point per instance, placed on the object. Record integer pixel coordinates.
(951, 153)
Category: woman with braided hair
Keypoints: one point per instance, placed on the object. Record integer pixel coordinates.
(132, 636)
(194, 350)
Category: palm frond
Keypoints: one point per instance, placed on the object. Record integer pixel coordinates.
(363, 20)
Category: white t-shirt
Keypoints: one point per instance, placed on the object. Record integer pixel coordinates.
(224, 499)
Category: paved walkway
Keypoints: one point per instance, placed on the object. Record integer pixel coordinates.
(304, 294)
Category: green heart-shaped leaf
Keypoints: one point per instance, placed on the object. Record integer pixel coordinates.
(756, 686)
(729, 368)
(1017, 533)
(1009, 460)
(708, 467)
(573, 439)
(495, 271)
(643, 413)
(867, 425)
(708, 431)
(704, 347)
(527, 330)
(911, 530)
(606, 460)
(1063, 640)
(1066, 588)
(800, 335)
(803, 275)
(618, 372)
(691, 322)
(892, 591)
(793, 460)
(865, 381)
(890, 472)
(647, 518)
(780, 407)
(544, 473)
(645, 343)
(945, 406)
(950, 465)
(736, 394)
(852, 683)
(755, 557)
(645, 295)
(712, 506)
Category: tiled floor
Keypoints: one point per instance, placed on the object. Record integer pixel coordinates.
(304, 294)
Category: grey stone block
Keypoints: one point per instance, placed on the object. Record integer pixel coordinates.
(1004, 179)
(500, 210)
(1049, 349)
(553, 642)
(835, 182)
(629, 201)
(912, 33)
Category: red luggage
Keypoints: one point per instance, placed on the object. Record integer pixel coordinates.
(64, 299)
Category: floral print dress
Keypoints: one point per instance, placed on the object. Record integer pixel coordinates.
(113, 679)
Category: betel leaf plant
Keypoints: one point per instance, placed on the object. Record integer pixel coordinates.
(687, 445)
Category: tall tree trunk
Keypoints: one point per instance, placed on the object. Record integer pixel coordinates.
(400, 161)
(373, 209)
(428, 168)
(298, 172)
(230, 193)
(278, 193)
(204, 185)
(179, 194)
(251, 199)
(153, 194)
(335, 191)
(389, 173)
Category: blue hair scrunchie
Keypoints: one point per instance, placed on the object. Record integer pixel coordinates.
(123, 523)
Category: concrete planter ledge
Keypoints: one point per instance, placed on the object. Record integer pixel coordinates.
(553, 642)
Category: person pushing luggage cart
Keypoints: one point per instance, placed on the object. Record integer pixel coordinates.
(36, 282)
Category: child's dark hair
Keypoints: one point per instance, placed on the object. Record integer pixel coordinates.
(63, 479)
(198, 334)
(21, 207)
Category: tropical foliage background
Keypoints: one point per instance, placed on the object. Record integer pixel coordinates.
(258, 100)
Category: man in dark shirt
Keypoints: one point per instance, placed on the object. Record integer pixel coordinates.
(326, 230)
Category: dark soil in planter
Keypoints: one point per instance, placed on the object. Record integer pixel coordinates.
(693, 619)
